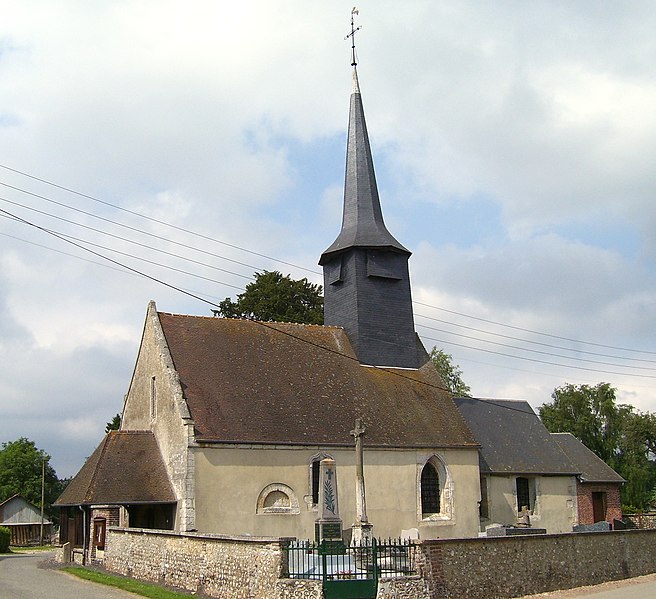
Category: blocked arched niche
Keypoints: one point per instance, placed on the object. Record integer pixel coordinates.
(277, 498)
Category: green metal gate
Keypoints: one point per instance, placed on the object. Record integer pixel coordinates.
(350, 571)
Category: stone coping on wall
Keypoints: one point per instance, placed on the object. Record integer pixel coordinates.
(478, 568)
(202, 535)
(536, 538)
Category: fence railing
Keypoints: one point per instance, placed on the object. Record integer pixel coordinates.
(331, 560)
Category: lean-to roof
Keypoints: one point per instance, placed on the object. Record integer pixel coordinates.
(591, 467)
(126, 468)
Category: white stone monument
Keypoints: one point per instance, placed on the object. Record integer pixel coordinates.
(328, 525)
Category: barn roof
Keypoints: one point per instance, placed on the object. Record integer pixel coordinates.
(513, 439)
(126, 468)
(17, 510)
(282, 383)
(591, 467)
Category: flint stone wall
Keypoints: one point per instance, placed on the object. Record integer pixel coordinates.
(481, 568)
(216, 565)
(503, 567)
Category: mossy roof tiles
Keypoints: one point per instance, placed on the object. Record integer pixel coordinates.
(282, 383)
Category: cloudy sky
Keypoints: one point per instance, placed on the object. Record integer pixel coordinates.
(198, 142)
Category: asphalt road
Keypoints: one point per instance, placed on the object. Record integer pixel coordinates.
(21, 578)
(642, 587)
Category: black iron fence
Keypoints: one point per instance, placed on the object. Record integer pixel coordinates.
(331, 560)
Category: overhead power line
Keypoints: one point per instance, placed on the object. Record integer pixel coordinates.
(151, 219)
(256, 269)
(264, 324)
(509, 326)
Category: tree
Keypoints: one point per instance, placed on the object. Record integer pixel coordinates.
(277, 298)
(21, 466)
(114, 424)
(620, 435)
(589, 413)
(450, 373)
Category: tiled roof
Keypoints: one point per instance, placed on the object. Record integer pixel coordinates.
(126, 468)
(591, 467)
(513, 439)
(275, 383)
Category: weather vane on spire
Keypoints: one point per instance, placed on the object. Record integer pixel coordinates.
(351, 35)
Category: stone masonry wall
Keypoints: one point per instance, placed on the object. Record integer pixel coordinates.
(501, 567)
(640, 520)
(219, 566)
(481, 568)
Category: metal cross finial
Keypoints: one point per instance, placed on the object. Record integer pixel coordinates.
(351, 35)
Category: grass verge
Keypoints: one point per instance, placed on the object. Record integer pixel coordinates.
(30, 548)
(127, 584)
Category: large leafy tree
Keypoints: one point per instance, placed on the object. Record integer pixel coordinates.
(449, 372)
(619, 434)
(277, 298)
(21, 464)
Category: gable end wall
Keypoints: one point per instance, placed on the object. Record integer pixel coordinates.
(172, 423)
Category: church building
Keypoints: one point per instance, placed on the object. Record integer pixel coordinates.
(226, 421)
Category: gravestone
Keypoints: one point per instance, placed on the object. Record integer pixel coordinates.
(596, 527)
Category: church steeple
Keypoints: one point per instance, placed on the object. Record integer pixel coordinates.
(366, 279)
(362, 220)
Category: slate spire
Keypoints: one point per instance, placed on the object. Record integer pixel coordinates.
(362, 219)
(366, 279)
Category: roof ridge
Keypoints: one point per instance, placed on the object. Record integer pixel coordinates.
(268, 322)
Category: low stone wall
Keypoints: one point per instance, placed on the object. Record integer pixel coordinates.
(220, 566)
(229, 567)
(514, 566)
(647, 520)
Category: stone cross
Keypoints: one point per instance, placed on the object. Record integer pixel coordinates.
(361, 527)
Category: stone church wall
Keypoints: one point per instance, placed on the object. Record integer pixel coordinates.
(155, 402)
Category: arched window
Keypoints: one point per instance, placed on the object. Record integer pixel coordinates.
(430, 490)
(435, 489)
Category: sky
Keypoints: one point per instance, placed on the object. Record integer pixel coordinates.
(198, 142)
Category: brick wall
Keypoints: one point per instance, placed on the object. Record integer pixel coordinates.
(584, 493)
(515, 566)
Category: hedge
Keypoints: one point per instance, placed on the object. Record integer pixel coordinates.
(5, 537)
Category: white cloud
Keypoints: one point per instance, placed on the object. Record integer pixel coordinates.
(207, 115)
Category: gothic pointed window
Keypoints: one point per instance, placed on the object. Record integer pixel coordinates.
(430, 490)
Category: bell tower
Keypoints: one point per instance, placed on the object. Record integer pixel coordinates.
(366, 278)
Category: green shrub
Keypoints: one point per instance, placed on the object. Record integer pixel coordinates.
(5, 537)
